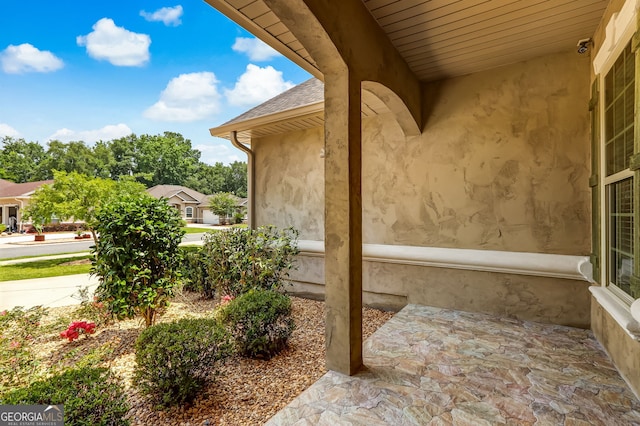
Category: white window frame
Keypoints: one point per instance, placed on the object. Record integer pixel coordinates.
(619, 31)
(188, 212)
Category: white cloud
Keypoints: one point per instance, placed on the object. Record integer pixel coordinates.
(219, 153)
(188, 97)
(256, 49)
(26, 58)
(116, 44)
(257, 85)
(107, 133)
(170, 16)
(6, 130)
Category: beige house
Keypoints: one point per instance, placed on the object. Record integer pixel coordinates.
(192, 205)
(480, 156)
(14, 197)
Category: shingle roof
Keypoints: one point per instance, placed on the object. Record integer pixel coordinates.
(307, 93)
(10, 189)
(168, 191)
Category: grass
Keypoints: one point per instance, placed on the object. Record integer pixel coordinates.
(43, 255)
(43, 269)
(191, 230)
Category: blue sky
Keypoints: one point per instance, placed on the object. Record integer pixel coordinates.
(97, 70)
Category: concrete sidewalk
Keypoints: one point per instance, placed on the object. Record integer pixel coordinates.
(49, 292)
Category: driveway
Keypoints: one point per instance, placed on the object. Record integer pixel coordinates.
(49, 292)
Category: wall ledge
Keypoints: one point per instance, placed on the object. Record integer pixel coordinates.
(506, 262)
(618, 310)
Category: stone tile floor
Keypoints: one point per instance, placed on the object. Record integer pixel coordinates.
(430, 366)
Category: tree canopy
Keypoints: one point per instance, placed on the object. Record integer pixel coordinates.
(78, 197)
(163, 159)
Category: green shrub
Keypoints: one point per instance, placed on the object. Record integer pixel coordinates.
(240, 259)
(260, 322)
(194, 271)
(91, 396)
(137, 257)
(175, 360)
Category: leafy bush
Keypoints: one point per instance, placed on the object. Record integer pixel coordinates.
(241, 259)
(260, 322)
(137, 257)
(91, 396)
(175, 360)
(194, 270)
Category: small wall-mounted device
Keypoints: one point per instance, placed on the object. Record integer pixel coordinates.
(583, 45)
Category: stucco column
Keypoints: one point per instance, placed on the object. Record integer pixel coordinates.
(343, 223)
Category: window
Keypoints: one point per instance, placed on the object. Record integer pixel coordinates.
(189, 212)
(619, 102)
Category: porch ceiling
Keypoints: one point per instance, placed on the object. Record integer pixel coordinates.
(444, 38)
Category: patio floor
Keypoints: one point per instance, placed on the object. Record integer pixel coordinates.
(430, 366)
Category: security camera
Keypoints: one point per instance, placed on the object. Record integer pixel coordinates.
(583, 45)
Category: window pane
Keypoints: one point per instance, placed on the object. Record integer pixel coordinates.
(619, 112)
(621, 249)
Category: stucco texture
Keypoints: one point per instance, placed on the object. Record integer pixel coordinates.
(290, 182)
(503, 164)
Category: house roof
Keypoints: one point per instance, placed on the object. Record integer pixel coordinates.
(169, 191)
(308, 93)
(10, 189)
(299, 108)
(440, 39)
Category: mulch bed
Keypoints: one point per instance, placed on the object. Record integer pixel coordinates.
(247, 392)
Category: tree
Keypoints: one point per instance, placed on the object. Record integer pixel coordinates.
(20, 160)
(165, 159)
(236, 179)
(78, 197)
(69, 157)
(137, 257)
(222, 204)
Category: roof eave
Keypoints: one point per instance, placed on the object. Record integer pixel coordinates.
(246, 23)
(267, 120)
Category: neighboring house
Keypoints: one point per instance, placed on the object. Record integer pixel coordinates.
(14, 197)
(192, 205)
(480, 156)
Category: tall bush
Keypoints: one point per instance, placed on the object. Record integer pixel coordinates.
(241, 259)
(175, 360)
(137, 257)
(194, 270)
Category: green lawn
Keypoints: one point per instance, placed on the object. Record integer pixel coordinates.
(190, 230)
(43, 269)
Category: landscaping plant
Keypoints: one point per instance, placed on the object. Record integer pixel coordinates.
(18, 330)
(260, 322)
(91, 396)
(175, 360)
(137, 258)
(241, 259)
(194, 270)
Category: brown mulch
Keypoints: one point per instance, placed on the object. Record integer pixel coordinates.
(246, 392)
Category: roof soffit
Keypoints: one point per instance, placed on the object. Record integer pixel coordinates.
(440, 38)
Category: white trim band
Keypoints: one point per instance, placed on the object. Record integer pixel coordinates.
(618, 310)
(506, 262)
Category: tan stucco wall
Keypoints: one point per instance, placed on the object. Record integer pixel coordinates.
(290, 182)
(503, 164)
(391, 286)
(623, 350)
